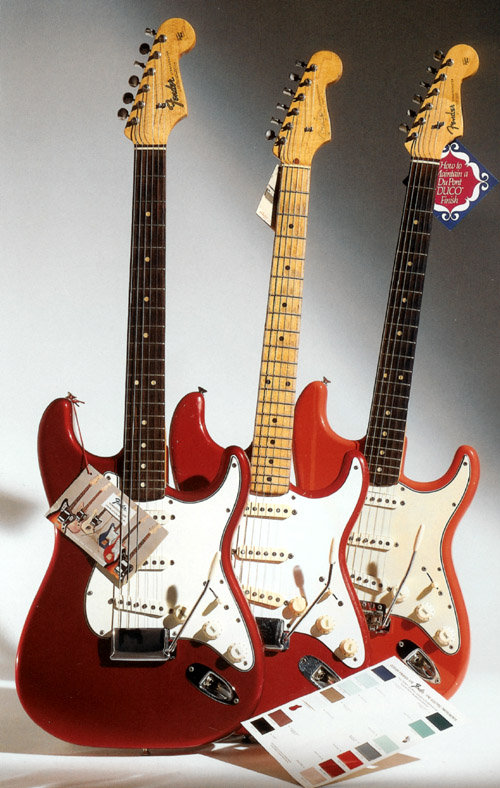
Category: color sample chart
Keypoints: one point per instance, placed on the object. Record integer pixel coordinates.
(353, 724)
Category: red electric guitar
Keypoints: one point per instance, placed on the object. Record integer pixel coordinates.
(399, 553)
(171, 657)
(288, 552)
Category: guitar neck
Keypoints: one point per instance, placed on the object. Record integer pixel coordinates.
(272, 440)
(387, 424)
(144, 464)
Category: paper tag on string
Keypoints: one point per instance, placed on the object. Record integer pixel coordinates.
(113, 530)
(265, 208)
(462, 182)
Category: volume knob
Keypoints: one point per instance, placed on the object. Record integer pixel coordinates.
(325, 624)
(445, 636)
(348, 648)
(296, 606)
(211, 629)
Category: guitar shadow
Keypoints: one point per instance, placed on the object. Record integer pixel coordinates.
(16, 510)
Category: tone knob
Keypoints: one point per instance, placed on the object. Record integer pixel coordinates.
(180, 612)
(445, 636)
(348, 647)
(296, 606)
(325, 624)
(235, 652)
(211, 629)
(424, 612)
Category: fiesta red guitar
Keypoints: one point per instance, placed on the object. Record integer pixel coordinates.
(288, 551)
(171, 657)
(399, 553)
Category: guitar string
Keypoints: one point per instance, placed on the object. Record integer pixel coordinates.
(421, 193)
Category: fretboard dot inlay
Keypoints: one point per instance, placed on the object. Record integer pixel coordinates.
(136, 382)
(400, 377)
(143, 445)
(143, 464)
(388, 413)
(281, 339)
(143, 484)
(148, 213)
(287, 267)
(284, 304)
(146, 298)
(410, 262)
(147, 259)
(400, 333)
(153, 382)
(381, 452)
(287, 383)
(145, 335)
(144, 421)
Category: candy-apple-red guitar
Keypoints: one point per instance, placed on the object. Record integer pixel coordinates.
(399, 553)
(288, 551)
(171, 657)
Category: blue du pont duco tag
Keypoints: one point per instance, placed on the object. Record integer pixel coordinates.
(462, 182)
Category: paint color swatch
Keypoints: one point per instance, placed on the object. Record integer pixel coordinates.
(352, 724)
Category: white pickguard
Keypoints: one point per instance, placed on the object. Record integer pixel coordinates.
(164, 591)
(381, 547)
(285, 555)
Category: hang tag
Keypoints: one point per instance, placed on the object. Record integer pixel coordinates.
(265, 209)
(113, 530)
(462, 182)
(354, 723)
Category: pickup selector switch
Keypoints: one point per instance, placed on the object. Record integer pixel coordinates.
(180, 612)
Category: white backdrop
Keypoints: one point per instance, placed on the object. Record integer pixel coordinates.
(66, 232)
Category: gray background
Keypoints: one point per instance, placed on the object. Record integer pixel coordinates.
(66, 206)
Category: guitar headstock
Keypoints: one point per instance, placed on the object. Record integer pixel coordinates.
(439, 120)
(306, 126)
(160, 101)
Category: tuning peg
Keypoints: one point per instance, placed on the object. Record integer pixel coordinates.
(128, 98)
(293, 77)
(417, 98)
(294, 111)
(411, 113)
(288, 91)
(431, 70)
(139, 64)
(122, 113)
(144, 49)
(150, 31)
(284, 107)
(270, 134)
(424, 84)
(133, 81)
(300, 64)
(404, 128)
(438, 55)
(305, 83)
(277, 121)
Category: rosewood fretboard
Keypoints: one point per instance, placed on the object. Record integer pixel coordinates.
(387, 425)
(143, 477)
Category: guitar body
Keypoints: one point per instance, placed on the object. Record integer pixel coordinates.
(67, 681)
(430, 600)
(299, 527)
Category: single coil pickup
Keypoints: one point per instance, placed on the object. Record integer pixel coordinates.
(258, 596)
(155, 563)
(264, 554)
(144, 607)
(382, 500)
(367, 583)
(273, 511)
(370, 541)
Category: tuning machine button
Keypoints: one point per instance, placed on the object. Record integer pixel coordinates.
(122, 113)
(293, 77)
(270, 134)
(348, 648)
(150, 31)
(404, 128)
(128, 98)
(139, 64)
(438, 55)
(424, 84)
(325, 624)
(288, 91)
(300, 64)
(417, 98)
(411, 113)
(432, 70)
(284, 107)
(144, 49)
(134, 81)
(277, 121)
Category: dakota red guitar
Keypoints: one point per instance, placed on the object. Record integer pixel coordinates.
(288, 551)
(399, 553)
(171, 657)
